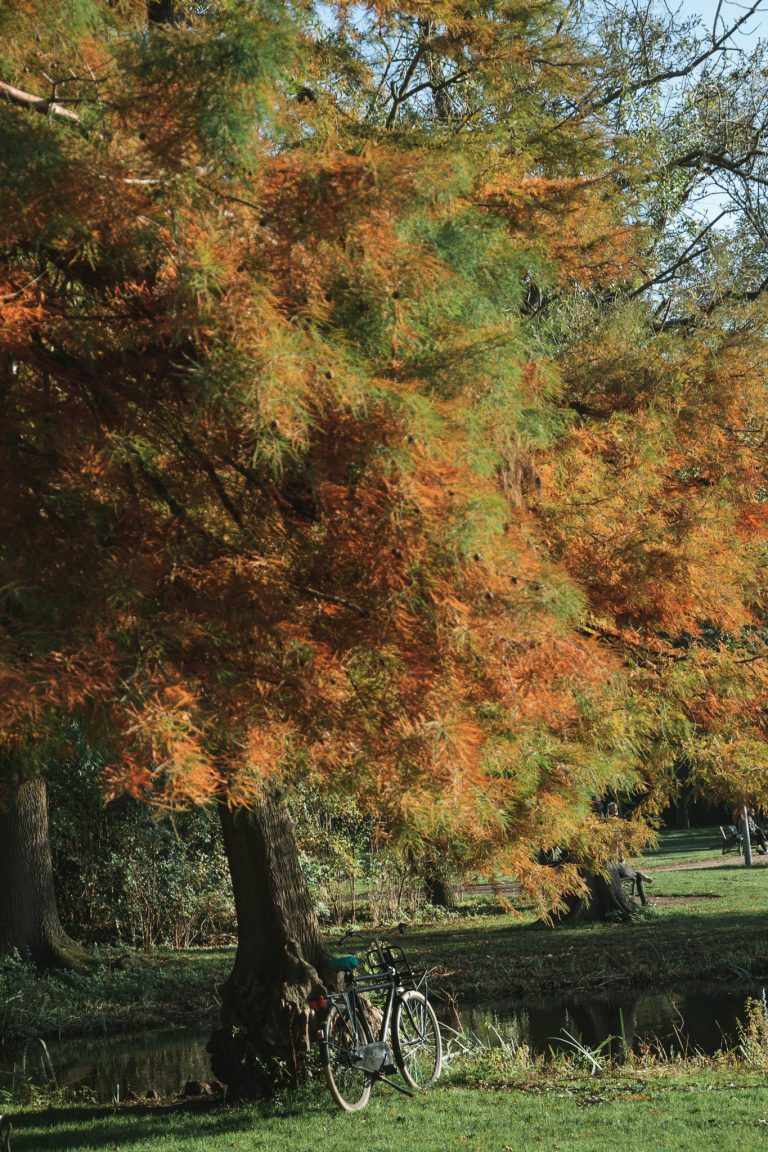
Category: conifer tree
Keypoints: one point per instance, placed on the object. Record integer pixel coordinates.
(287, 459)
(268, 410)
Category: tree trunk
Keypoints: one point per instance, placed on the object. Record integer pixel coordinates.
(438, 884)
(29, 920)
(161, 11)
(265, 1015)
(683, 807)
(607, 900)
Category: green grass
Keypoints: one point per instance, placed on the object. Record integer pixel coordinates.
(689, 1110)
(710, 924)
(128, 990)
(683, 845)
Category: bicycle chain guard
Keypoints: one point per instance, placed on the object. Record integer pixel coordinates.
(375, 1057)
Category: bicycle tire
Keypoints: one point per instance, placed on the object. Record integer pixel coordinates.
(345, 1030)
(416, 1040)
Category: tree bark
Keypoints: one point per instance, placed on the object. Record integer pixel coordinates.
(29, 920)
(683, 807)
(607, 900)
(265, 1016)
(438, 884)
(36, 103)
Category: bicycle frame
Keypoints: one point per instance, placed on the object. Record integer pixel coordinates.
(375, 1057)
(407, 1027)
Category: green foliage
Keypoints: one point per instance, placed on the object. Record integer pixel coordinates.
(221, 78)
(127, 874)
(122, 992)
(337, 333)
(753, 1034)
(336, 851)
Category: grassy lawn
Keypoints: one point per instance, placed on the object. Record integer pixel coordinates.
(128, 991)
(709, 923)
(688, 845)
(681, 1109)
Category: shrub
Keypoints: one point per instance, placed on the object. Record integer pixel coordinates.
(126, 874)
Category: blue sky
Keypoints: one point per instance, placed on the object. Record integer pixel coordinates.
(756, 28)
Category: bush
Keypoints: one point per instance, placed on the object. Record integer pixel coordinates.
(126, 874)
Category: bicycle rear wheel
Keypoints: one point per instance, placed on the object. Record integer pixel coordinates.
(345, 1030)
(416, 1040)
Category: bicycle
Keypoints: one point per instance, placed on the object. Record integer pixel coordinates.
(350, 1056)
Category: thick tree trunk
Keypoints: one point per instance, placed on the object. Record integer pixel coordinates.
(438, 884)
(607, 900)
(161, 11)
(29, 920)
(265, 1016)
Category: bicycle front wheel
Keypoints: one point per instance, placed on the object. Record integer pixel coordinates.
(346, 1030)
(416, 1040)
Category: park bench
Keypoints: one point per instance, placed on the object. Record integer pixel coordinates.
(629, 885)
(732, 838)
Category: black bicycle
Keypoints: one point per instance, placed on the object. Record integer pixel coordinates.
(382, 1002)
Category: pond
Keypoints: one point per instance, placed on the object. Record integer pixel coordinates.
(114, 1067)
(111, 1066)
(675, 1021)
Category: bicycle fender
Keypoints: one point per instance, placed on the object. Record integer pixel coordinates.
(322, 1040)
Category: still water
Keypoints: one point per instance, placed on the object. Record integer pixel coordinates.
(677, 1021)
(113, 1067)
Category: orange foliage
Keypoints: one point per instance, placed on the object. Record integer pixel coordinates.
(270, 499)
(572, 222)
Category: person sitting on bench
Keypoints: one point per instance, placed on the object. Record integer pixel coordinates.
(756, 834)
(640, 879)
(625, 872)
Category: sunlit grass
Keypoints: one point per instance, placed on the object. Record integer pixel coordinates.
(708, 923)
(669, 1109)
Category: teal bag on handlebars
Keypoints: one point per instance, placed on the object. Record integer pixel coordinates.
(343, 963)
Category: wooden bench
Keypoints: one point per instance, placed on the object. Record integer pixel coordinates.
(732, 838)
(629, 885)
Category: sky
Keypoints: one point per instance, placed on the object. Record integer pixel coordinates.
(756, 28)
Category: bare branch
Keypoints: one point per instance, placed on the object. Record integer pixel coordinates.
(668, 272)
(316, 594)
(717, 44)
(398, 96)
(37, 103)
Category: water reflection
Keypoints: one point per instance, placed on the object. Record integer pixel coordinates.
(679, 1021)
(114, 1067)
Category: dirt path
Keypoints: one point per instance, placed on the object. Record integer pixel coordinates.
(719, 861)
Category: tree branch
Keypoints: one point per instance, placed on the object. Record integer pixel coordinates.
(316, 594)
(399, 96)
(629, 89)
(37, 103)
(669, 271)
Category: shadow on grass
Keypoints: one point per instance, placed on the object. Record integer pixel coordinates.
(671, 946)
(68, 1127)
(687, 841)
